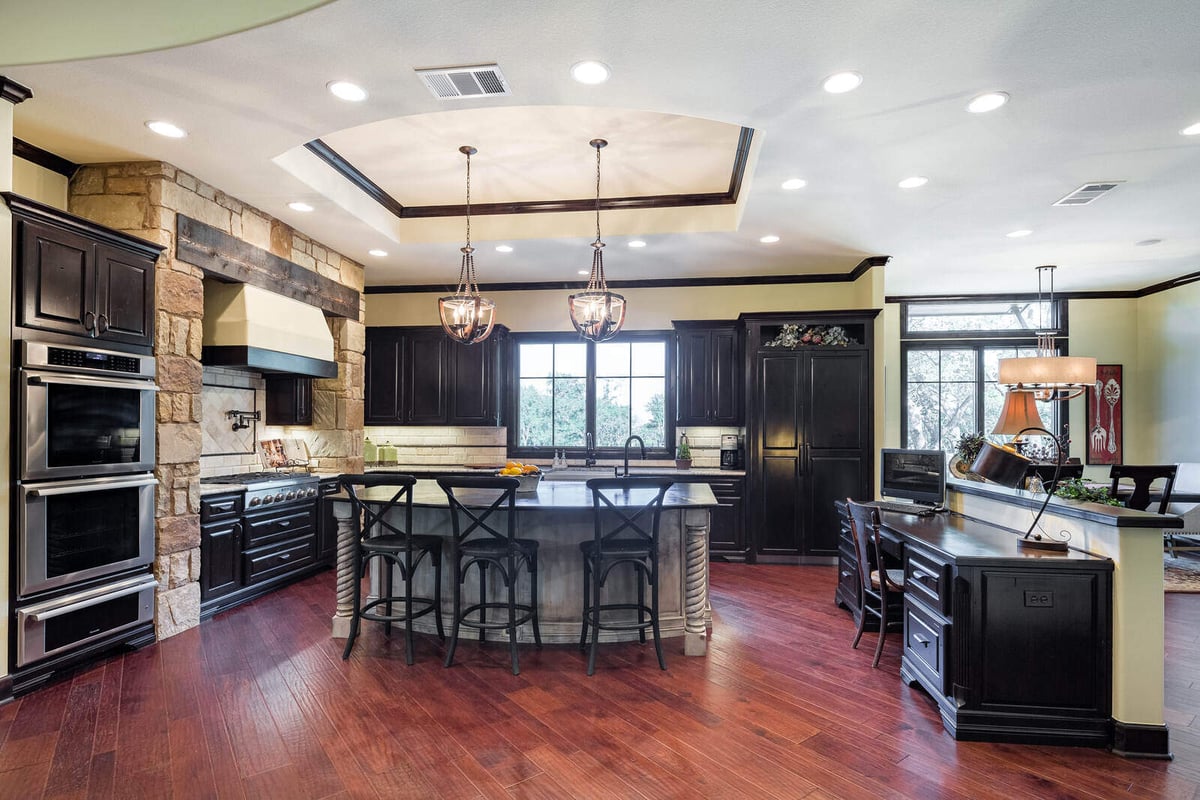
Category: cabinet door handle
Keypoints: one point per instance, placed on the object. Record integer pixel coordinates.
(285, 523)
(921, 640)
(102, 324)
(89, 322)
(284, 556)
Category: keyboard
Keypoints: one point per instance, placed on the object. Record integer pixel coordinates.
(903, 508)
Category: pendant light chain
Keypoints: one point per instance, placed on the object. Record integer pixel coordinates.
(468, 283)
(596, 281)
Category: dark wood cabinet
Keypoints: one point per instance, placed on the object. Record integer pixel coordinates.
(708, 364)
(326, 523)
(82, 279)
(289, 400)
(220, 545)
(1013, 645)
(418, 376)
(727, 521)
(809, 434)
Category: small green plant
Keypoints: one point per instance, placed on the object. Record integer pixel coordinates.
(685, 450)
(968, 446)
(1076, 489)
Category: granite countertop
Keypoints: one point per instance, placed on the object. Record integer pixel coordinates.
(551, 496)
(207, 489)
(668, 471)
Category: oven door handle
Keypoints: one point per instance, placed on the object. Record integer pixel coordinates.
(58, 491)
(141, 386)
(70, 608)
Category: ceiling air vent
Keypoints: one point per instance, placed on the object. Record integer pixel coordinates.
(451, 82)
(1087, 193)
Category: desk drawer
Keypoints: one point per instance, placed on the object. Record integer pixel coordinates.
(927, 580)
(927, 644)
(847, 574)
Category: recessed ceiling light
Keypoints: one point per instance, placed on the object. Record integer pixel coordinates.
(1018, 234)
(298, 206)
(637, 243)
(842, 82)
(584, 272)
(914, 182)
(1191, 130)
(164, 128)
(503, 248)
(347, 91)
(769, 239)
(1148, 242)
(590, 72)
(989, 101)
(377, 253)
(794, 183)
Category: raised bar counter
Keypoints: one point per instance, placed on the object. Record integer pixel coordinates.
(559, 516)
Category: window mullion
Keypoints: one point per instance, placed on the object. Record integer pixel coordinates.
(590, 392)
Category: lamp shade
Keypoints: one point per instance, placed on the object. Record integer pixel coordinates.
(1019, 413)
(1048, 372)
(1001, 465)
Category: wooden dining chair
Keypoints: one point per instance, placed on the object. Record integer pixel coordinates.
(1142, 477)
(881, 590)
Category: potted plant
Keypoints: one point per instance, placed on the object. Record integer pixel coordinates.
(1075, 490)
(965, 451)
(683, 456)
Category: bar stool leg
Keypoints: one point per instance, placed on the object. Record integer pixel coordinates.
(641, 575)
(662, 663)
(458, 578)
(532, 567)
(482, 598)
(436, 561)
(408, 611)
(595, 623)
(357, 609)
(511, 581)
(587, 600)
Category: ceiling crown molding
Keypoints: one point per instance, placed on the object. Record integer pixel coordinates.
(14, 92)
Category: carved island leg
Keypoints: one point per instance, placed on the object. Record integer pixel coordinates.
(695, 641)
(347, 583)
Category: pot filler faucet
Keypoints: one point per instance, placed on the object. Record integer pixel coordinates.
(641, 448)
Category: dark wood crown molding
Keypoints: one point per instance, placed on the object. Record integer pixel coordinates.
(373, 190)
(14, 92)
(43, 158)
(653, 283)
(1111, 294)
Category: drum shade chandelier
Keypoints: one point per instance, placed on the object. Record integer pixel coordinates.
(596, 312)
(1048, 375)
(467, 317)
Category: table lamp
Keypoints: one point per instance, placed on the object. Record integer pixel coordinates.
(1005, 466)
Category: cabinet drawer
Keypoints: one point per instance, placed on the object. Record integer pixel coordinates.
(926, 644)
(213, 509)
(927, 580)
(271, 562)
(847, 574)
(263, 530)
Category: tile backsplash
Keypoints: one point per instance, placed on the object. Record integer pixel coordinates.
(225, 451)
(443, 444)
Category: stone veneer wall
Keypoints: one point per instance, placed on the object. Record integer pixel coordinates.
(143, 199)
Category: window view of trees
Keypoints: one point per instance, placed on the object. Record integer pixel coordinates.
(624, 382)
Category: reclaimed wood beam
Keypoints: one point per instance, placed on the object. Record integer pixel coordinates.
(232, 260)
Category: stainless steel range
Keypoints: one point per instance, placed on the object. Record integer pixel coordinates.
(272, 489)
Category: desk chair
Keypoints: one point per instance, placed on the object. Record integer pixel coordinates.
(1142, 477)
(623, 535)
(881, 590)
(474, 500)
(383, 530)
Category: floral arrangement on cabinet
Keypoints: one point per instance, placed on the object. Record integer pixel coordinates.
(793, 336)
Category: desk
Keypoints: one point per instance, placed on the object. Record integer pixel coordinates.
(1014, 645)
(559, 516)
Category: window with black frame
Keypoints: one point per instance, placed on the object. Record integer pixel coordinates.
(567, 388)
(950, 354)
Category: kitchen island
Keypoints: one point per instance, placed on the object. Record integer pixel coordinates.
(559, 516)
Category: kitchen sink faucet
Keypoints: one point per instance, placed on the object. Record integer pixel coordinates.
(641, 447)
(589, 457)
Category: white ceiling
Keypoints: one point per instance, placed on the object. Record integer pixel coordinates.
(1099, 91)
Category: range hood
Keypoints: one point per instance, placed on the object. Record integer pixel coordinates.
(251, 328)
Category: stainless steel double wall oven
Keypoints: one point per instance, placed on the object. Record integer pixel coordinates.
(85, 497)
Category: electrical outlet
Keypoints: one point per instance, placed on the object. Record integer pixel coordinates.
(1039, 599)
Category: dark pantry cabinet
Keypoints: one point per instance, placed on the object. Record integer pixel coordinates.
(418, 376)
(708, 364)
(809, 433)
(80, 278)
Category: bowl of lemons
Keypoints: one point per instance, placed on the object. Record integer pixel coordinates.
(528, 474)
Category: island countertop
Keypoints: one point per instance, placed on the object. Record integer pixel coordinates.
(550, 496)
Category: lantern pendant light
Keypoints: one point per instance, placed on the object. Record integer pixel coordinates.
(596, 312)
(467, 317)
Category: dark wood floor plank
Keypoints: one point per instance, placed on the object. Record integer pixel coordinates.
(258, 703)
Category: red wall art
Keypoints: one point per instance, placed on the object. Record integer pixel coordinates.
(1104, 416)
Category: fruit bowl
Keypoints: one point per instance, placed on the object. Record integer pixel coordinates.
(529, 476)
(529, 482)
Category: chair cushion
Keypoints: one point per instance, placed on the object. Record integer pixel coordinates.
(491, 546)
(896, 576)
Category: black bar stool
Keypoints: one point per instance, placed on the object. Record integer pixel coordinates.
(632, 540)
(494, 544)
(382, 535)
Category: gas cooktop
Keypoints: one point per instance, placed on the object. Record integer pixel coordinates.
(255, 478)
(272, 488)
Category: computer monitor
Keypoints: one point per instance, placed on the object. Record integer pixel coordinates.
(917, 475)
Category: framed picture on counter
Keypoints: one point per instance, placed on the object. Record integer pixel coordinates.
(1104, 416)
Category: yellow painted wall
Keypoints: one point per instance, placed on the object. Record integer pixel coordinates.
(6, 183)
(1169, 349)
(38, 183)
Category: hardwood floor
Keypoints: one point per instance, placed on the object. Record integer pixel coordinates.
(257, 703)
